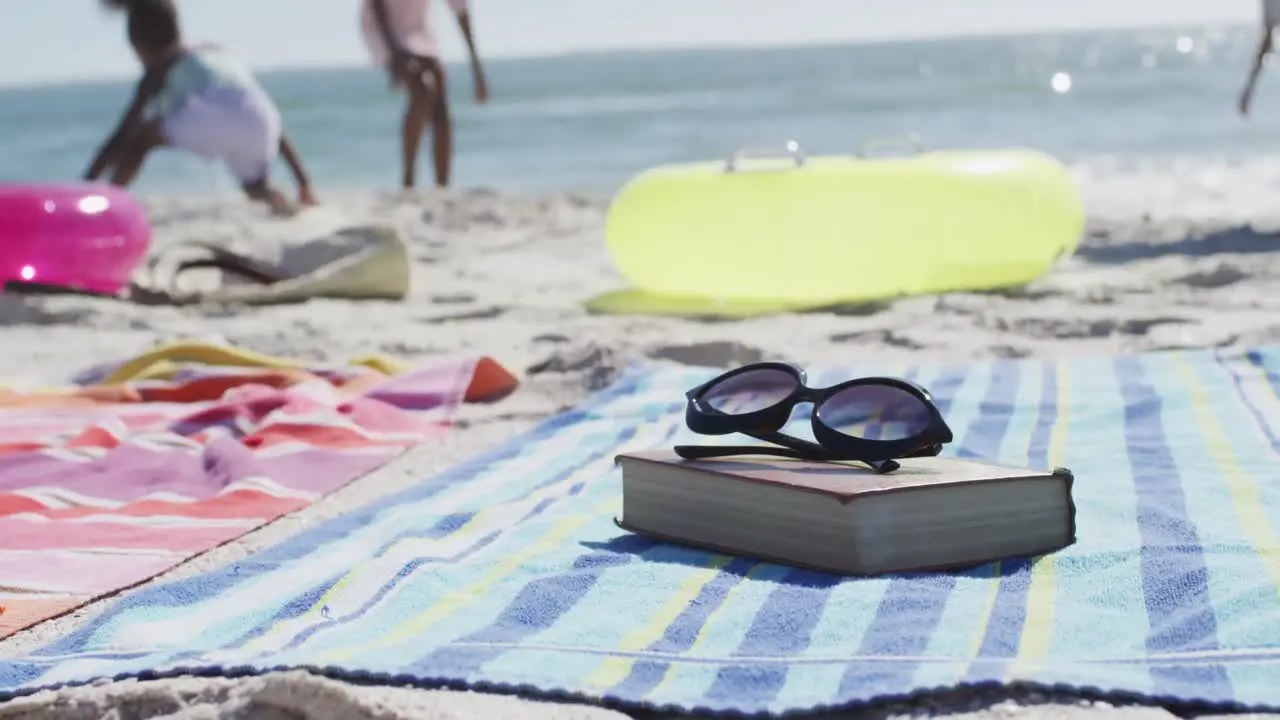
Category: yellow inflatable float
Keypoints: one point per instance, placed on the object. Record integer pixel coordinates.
(765, 232)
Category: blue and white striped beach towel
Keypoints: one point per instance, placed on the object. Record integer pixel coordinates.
(508, 572)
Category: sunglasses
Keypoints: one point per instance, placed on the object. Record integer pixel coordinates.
(874, 420)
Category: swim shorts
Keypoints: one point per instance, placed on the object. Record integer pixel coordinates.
(238, 126)
(410, 24)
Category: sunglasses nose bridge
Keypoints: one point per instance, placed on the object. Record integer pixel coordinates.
(805, 394)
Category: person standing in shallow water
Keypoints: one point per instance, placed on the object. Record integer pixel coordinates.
(401, 41)
(199, 99)
(1270, 19)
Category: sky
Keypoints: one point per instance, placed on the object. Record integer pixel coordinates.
(56, 40)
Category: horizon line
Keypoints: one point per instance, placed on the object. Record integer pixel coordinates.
(587, 51)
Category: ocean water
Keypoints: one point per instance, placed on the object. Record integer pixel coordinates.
(1147, 103)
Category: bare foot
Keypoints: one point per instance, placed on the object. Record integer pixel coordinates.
(279, 204)
(306, 198)
(274, 199)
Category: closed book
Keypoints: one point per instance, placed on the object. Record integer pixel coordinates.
(931, 514)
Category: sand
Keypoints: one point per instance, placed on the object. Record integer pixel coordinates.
(505, 276)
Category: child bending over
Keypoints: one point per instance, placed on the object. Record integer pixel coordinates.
(200, 100)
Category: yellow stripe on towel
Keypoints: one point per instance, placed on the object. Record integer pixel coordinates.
(161, 363)
(1037, 627)
(1249, 507)
(449, 604)
(614, 670)
(146, 365)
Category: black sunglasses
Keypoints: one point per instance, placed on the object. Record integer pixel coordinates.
(873, 420)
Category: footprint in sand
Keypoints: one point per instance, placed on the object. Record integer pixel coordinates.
(452, 299)
(487, 313)
(878, 337)
(1221, 276)
(709, 354)
(1081, 328)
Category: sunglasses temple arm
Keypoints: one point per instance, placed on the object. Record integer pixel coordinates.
(883, 466)
(806, 450)
(930, 451)
(804, 447)
(704, 452)
(707, 452)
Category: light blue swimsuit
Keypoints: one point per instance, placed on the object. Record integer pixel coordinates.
(211, 105)
(197, 71)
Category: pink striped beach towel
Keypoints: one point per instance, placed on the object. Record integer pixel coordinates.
(105, 486)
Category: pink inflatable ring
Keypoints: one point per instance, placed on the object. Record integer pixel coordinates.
(79, 237)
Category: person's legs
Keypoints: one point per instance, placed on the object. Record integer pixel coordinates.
(251, 134)
(263, 191)
(237, 127)
(418, 112)
(134, 153)
(442, 126)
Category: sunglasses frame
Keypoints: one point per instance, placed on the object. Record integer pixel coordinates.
(766, 424)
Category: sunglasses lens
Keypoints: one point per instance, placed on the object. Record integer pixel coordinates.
(750, 391)
(875, 412)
